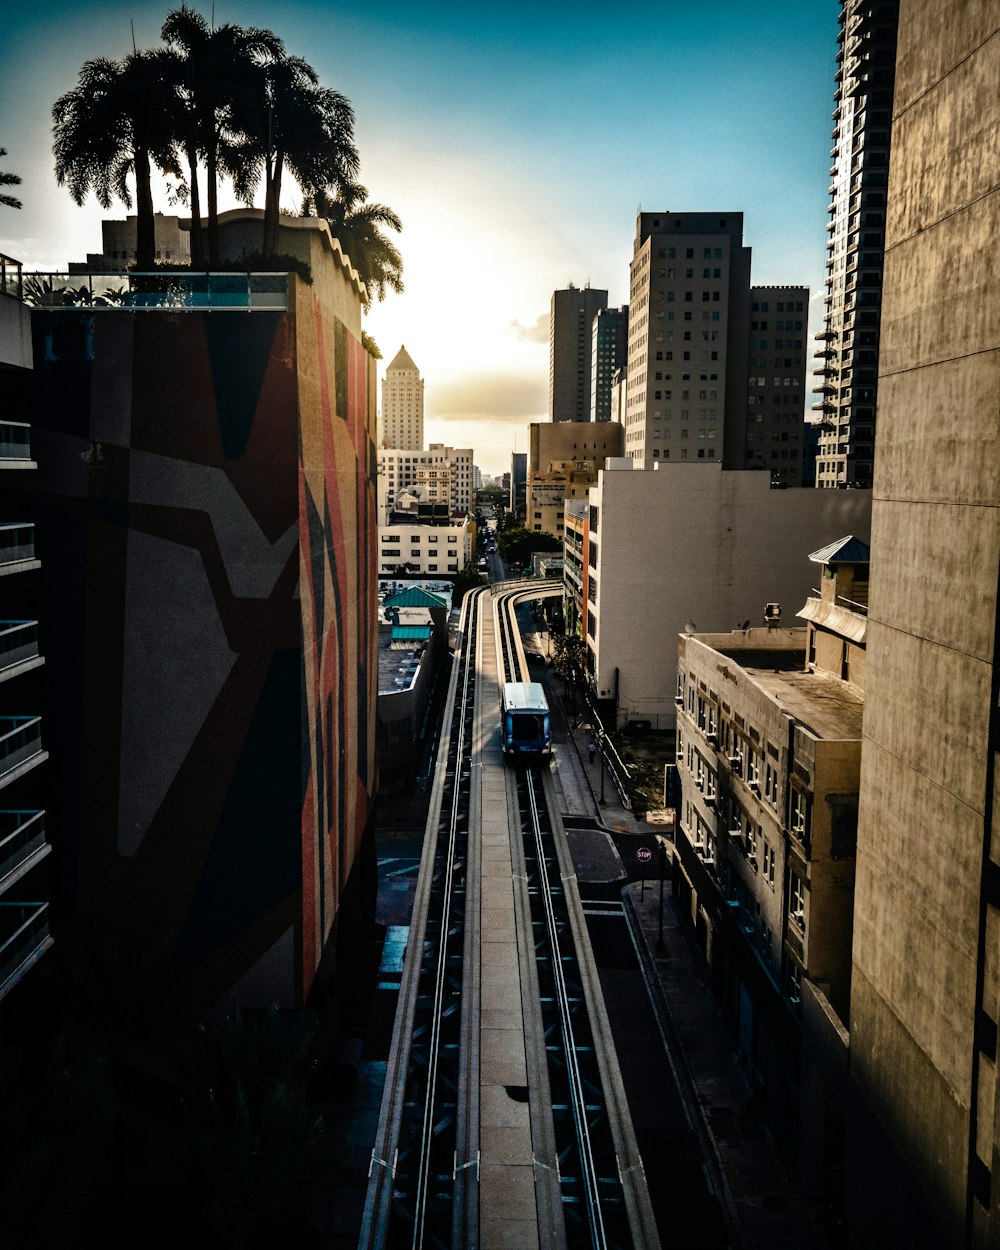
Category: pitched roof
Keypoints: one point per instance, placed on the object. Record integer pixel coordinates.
(402, 360)
(847, 550)
(414, 597)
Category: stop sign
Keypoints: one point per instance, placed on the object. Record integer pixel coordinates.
(643, 854)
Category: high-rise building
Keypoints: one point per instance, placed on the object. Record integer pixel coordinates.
(859, 176)
(775, 385)
(402, 420)
(608, 353)
(571, 320)
(924, 1124)
(687, 337)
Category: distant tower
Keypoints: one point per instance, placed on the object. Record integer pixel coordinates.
(571, 320)
(403, 404)
(608, 352)
(859, 181)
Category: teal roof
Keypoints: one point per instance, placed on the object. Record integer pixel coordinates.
(411, 633)
(414, 597)
(847, 550)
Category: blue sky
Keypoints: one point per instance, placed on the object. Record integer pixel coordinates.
(516, 141)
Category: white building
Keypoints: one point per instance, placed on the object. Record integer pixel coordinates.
(442, 474)
(402, 419)
(672, 548)
(426, 549)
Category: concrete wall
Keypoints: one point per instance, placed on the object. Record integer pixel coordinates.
(693, 543)
(926, 955)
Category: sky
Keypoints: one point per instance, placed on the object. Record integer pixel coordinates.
(517, 141)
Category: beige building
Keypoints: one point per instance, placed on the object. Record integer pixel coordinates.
(401, 424)
(687, 337)
(859, 176)
(924, 1166)
(442, 474)
(769, 753)
(426, 549)
(671, 546)
(564, 459)
(172, 241)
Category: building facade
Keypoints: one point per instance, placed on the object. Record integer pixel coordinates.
(564, 460)
(687, 337)
(442, 474)
(402, 421)
(172, 241)
(608, 354)
(925, 993)
(571, 320)
(849, 341)
(426, 550)
(775, 385)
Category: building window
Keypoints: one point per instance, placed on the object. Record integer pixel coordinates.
(769, 864)
(797, 901)
(798, 818)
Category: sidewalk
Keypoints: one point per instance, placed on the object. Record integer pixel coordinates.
(760, 1205)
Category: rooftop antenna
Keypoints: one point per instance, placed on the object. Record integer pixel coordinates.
(132, 26)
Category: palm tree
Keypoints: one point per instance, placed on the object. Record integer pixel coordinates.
(217, 69)
(9, 180)
(115, 123)
(292, 122)
(358, 225)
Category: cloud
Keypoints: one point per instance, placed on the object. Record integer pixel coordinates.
(496, 396)
(537, 333)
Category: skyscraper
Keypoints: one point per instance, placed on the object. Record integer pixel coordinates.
(608, 353)
(571, 319)
(859, 182)
(924, 1123)
(402, 404)
(775, 386)
(688, 324)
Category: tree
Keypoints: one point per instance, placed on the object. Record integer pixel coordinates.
(9, 180)
(569, 659)
(217, 71)
(117, 123)
(516, 544)
(358, 225)
(291, 122)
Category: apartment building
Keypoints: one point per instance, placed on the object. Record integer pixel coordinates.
(24, 731)
(775, 422)
(689, 296)
(859, 184)
(401, 424)
(571, 320)
(441, 474)
(768, 753)
(426, 550)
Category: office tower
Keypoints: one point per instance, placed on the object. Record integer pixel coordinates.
(608, 353)
(402, 421)
(688, 330)
(924, 1165)
(206, 511)
(775, 385)
(859, 182)
(571, 319)
(518, 483)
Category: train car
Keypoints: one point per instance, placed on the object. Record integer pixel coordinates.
(525, 727)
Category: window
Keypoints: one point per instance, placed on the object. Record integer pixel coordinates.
(771, 783)
(796, 900)
(769, 864)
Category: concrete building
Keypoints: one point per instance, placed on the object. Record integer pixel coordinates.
(608, 355)
(769, 753)
(563, 462)
(25, 889)
(571, 319)
(205, 508)
(925, 989)
(172, 239)
(775, 385)
(689, 298)
(426, 549)
(401, 424)
(576, 543)
(675, 545)
(442, 474)
(859, 179)
(517, 484)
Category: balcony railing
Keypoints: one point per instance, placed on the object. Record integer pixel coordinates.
(17, 544)
(22, 842)
(18, 643)
(24, 938)
(15, 441)
(156, 292)
(10, 276)
(20, 741)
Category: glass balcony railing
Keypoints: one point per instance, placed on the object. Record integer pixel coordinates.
(17, 543)
(18, 642)
(24, 938)
(15, 440)
(10, 276)
(20, 740)
(22, 836)
(175, 292)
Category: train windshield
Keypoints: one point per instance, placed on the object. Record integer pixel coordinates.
(527, 727)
